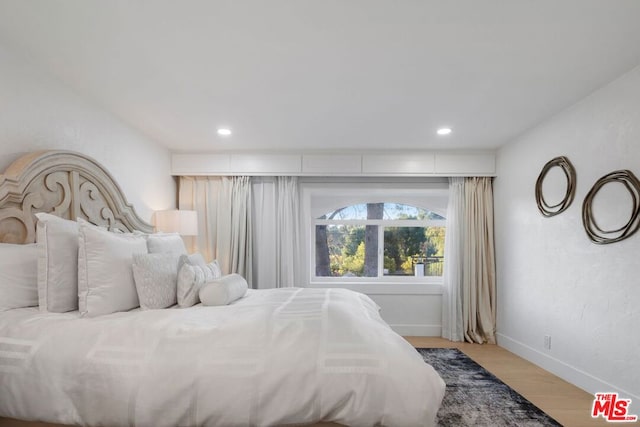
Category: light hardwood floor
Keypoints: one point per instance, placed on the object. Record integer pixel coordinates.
(567, 404)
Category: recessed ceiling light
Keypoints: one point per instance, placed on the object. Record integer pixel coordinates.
(224, 131)
(444, 131)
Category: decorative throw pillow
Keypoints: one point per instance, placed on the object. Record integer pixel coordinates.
(224, 290)
(215, 269)
(57, 240)
(193, 259)
(105, 274)
(166, 243)
(192, 274)
(156, 278)
(18, 276)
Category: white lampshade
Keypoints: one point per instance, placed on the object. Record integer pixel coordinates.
(177, 221)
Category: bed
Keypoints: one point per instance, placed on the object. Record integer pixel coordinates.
(291, 356)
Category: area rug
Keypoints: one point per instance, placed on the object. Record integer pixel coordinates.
(475, 397)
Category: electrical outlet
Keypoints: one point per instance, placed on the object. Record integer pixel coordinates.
(547, 342)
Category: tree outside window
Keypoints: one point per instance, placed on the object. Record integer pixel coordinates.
(377, 240)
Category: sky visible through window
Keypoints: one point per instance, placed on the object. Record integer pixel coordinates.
(392, 211)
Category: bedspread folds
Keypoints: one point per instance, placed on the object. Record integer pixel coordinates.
(274, 357)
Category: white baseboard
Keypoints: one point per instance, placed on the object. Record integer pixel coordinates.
(569, 373)
(418, 330)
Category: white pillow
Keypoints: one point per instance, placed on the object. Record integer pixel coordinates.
(193, 259)
(166, 243)
(192, 274)
(57, 240)
(215, 269)
(224, 290)
(18, 276)
(105, 275)
(198, 259)
(156, 278)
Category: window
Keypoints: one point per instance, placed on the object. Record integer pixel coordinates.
(398, 238)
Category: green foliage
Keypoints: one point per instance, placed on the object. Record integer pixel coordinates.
(346, 249)
(346, 245)
(402, 245)
(389, 263)
(353, 240)
(355, 263)
(407, 266)
(435, 237)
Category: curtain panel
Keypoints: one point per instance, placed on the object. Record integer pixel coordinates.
(469, 303)
(223, 205)
(288, 233)
(452, 293)
(276, 224)
(479, 270)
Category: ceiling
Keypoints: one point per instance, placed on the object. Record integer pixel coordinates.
(308, 75)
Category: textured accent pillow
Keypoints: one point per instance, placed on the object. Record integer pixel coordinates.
(161, 243)
(192, 274)
(18, 276)
(57, 240)
(105, 274)
(156, 278)
(193, 259)
(215, 269)
(224, 290)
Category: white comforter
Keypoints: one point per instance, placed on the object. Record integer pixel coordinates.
(286, 356)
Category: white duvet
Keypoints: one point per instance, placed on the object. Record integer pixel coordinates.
(275, 357)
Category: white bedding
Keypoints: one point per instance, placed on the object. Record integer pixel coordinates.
(274, 357)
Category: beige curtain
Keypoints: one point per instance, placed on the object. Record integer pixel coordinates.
(478, 263)
(223, 205)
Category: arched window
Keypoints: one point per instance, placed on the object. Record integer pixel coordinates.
(376, 235)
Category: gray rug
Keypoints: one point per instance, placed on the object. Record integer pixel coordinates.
(475, 397)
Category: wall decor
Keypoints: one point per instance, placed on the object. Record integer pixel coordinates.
(595, 233)
(570, 173)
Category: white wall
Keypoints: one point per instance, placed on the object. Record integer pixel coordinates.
(38, 112)
(551, 279)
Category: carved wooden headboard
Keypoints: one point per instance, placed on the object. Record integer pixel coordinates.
(67, 184)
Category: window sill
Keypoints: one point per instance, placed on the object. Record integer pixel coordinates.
(382, 288)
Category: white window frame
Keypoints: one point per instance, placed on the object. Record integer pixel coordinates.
(414, 194)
